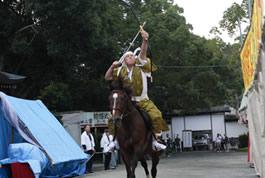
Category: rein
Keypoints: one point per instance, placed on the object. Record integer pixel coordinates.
(123, 115)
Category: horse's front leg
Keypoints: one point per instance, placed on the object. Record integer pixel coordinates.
(127, 161)
(155, 161)
(134, 162)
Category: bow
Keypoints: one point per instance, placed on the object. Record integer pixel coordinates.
(128, 5)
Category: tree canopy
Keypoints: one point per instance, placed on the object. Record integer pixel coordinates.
(65, 47)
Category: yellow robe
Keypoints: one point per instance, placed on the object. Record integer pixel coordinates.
(135, 81)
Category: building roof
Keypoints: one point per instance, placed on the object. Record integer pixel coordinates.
(231, 118)
(211, 110)
(8, 78)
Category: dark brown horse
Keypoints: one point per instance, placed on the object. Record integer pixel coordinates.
(132, 132)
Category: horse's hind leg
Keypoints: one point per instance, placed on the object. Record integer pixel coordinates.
(145, 166)
(155, 161)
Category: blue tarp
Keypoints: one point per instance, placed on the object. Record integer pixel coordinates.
(26, 153)
(33, 121)
(5, 139)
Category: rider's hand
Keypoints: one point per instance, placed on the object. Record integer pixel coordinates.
(144, 34)
(116, 64)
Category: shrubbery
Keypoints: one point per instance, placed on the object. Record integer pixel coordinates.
(243, 141)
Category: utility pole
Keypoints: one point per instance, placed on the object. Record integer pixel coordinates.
(240, 31)
(250, 9)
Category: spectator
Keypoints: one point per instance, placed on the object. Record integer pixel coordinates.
(177, 143)
(225, 141)
(88, 144)
(113, 160)
(168, 144)
(108, 146)
(117, 147)
(218, 141)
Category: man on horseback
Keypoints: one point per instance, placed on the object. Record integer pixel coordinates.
(134, 71)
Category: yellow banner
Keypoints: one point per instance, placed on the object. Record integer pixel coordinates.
(250, 51)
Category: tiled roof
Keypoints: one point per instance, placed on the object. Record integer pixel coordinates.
(8, 78)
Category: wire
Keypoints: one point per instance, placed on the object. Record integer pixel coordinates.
(188, 67)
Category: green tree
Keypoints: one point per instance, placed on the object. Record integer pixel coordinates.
(65, 47)
(68, 41)
(232, 20)
(57, 96)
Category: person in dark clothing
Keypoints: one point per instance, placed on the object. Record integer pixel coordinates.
(177, 143)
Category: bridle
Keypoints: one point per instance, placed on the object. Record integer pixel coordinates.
(124, 113)
(114, 108)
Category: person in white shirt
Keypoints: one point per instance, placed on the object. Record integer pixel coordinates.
(107, 144)
(218, 141)
(88, 144)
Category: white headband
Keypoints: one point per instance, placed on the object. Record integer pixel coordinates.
(129, 53)
(124, 56)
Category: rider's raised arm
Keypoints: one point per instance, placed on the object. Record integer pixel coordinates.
(146, 62)
(109, 73)
(144, 45)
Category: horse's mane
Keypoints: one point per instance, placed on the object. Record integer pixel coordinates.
(118, 84)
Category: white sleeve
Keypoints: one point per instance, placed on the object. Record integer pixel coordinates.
(110, 138)
(83, 142)
(102, 142)
(142, 61)
(116, 144)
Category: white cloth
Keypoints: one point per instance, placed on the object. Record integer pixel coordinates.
(107, 143)
(85, 140)
(124, 55)
(218, 139)
(158, 146)
(142, 61)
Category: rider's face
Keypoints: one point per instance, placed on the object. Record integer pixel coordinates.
(130, 60)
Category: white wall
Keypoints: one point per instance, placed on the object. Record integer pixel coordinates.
(177, 126)
(218, 124)
(234, 129)
(74, 131)
(195, 123)
(199, 122)
(164, 134)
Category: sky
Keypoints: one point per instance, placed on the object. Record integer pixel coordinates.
(205, 14)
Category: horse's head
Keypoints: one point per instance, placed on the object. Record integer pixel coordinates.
(119, 99)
